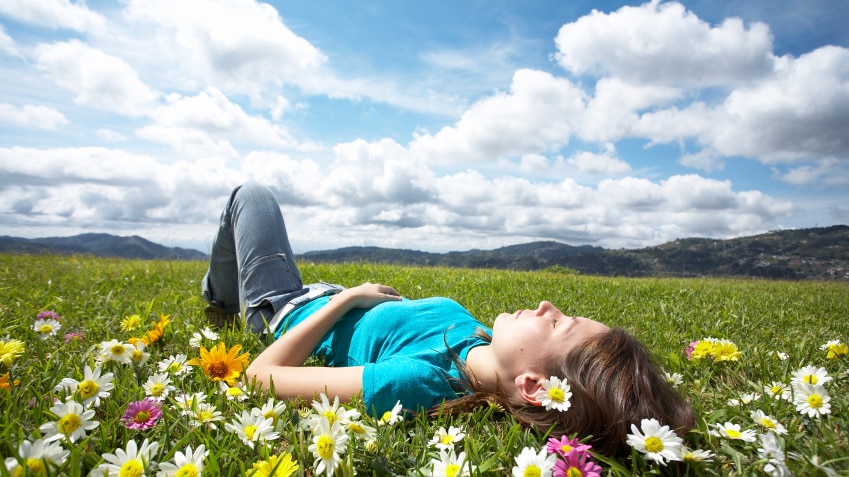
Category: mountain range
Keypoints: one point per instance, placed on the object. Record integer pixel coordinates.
(813, 253)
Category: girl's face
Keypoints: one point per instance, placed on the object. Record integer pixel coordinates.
(528, 339)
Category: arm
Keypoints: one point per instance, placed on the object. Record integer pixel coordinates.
(282, 362)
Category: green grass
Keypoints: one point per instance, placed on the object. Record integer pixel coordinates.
(760, 317)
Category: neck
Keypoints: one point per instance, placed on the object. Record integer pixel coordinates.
(481, 369)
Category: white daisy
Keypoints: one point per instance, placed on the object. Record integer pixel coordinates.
(554, 394)
(445, 440)
(91, 389)
(812, 400)
(186, 402)
(362, 431)
(38, 458)
(773, 452)
(392, 416)
(778, 390)
(204, 415)
(272, 410)
(532, 463)
(185, 464)
(658, 443)
(733, 431)
(696, 455)
(114, 350)
(72, 421)
(138, 355)
(132, 461)
(236, 392)
(158, 386)
(252, 428)
(328, 444)
(768, 422)
(746, 398)
(198, 338)
(451, 465)
(810, 375)
(675, 379)
(174, 365)
(333, 412)
(46, 328)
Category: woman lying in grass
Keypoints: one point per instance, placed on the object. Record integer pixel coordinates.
(571, 375)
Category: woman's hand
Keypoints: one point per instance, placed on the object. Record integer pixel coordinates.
(367, 295)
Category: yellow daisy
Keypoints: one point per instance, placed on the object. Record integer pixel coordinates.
(10, 349)
(274, 466)
(219, 364)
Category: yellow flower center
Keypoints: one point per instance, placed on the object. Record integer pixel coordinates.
(69, 423)
(218, 370)
(325, 446)
(574, 472)
(250, 431)
(142, 416)
(810, 378)
(204, 416)
(532, 471)
(447, 439)
(131, 468)
(386, 416)
(452, 470)
(330, 415)
(174, 367)
(88, 388)
(268, 414)
(356, 428)
(566, 448)
(188, 470)
(734, 434)
(157, 389)
(815, 401)
(768, 423)
(653, 444)
(776, 389)
(137, 356)
(45, 329)
(118, 349)
(235, 392)
(35, 466)
(556, 394)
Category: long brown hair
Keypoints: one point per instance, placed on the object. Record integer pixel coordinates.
(614, 383)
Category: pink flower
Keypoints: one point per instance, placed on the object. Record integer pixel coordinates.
(75, 336)
(48, 315)
(564, 446)
(576, 463)
(690, 348)
(142, 414)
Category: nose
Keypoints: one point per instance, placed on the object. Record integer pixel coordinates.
(543, 307)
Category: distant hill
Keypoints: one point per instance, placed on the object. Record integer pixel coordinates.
(102, 245)
(815, 253)
(799, 254)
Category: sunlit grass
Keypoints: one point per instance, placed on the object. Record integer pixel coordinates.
(94, 296)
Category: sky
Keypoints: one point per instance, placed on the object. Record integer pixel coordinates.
(436, 126)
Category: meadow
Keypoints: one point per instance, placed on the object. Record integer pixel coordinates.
(737, 349)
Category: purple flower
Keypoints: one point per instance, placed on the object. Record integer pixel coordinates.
(564, 446)
(576, 463)
(48, 315)
(142, 414)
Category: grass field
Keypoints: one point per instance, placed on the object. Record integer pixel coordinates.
(778, 328)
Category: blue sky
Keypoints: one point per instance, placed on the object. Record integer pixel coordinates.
(426, 125)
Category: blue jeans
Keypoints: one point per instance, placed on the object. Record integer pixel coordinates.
(251, 268)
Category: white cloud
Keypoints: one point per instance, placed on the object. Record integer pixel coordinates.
(30, 116)
(536, 116)
(664, 44)
(99, 80)
(7, 44)
(53, 14)
(829, 171)
(237, 46)
(604, 164)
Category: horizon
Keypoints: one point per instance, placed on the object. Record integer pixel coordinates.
(439, 127)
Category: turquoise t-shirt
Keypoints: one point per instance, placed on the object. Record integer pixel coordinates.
(402, 346)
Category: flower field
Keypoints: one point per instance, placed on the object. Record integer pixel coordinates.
(109, 367)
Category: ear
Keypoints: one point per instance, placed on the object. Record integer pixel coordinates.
(528, 385)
